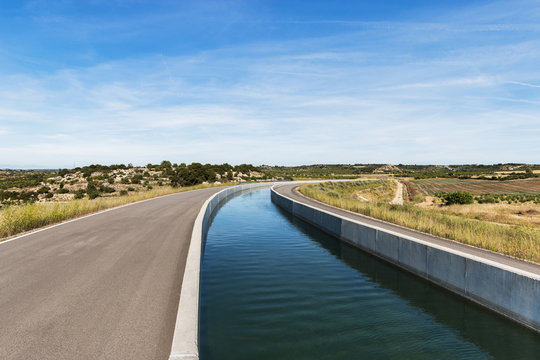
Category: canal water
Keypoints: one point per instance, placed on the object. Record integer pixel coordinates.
(274, 287)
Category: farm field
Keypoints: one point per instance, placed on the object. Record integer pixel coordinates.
(524, 186)
(508, 228)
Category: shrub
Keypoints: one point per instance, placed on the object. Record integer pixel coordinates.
(458, 197)
(106, 189)
(43, 190)
(488, 200)
(79, 194)
(333, 194)
(131, 188)
(123, 192)
(136, 179)
(92, 191)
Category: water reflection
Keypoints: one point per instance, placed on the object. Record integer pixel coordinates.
(274, 287)
(497, 335)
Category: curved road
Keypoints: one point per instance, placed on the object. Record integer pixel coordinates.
(102, 287)
(290, 191)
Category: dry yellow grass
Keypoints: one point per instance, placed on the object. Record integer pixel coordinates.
(526, 214)
(21, 218)
(515, 240)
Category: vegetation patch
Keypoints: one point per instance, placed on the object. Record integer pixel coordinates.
(521, 241)
(457, 197)
(16, 219)
(364, 190)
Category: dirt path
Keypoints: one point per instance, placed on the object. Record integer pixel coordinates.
(398, 199)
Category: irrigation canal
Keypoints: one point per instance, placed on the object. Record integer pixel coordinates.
(274, 287)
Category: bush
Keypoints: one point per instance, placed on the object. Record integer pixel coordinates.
(487, 200)
(92, 191)
(333, 194)
(106, 189)
(79, 194)
(43, 190)
(123, 192)
(136, 179)
(458, 197)
(131, 188)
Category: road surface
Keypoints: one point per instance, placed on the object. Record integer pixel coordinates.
(289, 191)
(102, 287)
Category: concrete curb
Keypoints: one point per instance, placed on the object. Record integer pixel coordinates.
(185, 345)
(511, 292)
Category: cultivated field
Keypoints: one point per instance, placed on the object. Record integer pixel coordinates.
(525, 186)
(511, 229)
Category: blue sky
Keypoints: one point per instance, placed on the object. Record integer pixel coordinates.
(269, 82)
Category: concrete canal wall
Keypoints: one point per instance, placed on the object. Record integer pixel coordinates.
(512, 292)
(186, 333)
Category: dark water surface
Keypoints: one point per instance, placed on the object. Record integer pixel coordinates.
(274, 287)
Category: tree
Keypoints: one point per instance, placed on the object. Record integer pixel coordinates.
(166, 165)
(92, 191)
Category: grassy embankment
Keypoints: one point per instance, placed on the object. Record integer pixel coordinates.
(20, 218)
(520, 241)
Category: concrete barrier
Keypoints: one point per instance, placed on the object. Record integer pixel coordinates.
(511, 292)
(186, 332)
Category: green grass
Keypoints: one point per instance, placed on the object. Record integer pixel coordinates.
(20, 218)
(515, 240)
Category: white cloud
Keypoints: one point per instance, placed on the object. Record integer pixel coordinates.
(340, 98)
(523, 84)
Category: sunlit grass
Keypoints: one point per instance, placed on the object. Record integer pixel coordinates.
(514, 240)
(20, 218)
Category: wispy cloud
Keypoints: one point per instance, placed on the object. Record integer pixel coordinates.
(415, 91)
(523, 84)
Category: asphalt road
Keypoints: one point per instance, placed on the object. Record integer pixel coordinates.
(102, 287)
(289, 191)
